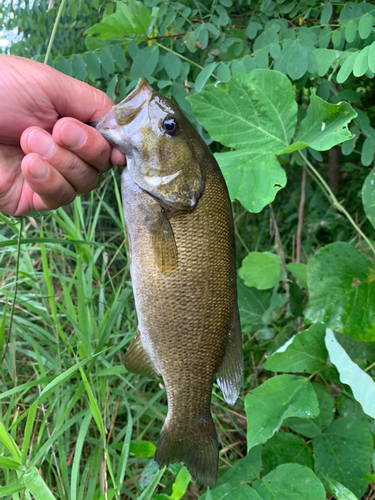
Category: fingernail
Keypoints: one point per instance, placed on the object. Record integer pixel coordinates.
(72, 135)
(40, 143)
(38, 169)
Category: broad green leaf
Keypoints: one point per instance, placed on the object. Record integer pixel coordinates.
(172, 65)
(180, 484)
(342, 291)
(368, 152)
(64, 66)
(238, 66)
(361, 63)
(325, 59)
(297, 64)
(130, 18)
(350, 31)
(336, 37)
(347, 68)
(107, 61)
(260, 270)
(290, 482)
(299, 271)
(245, 470)
(93, 64)
(145, 62)
(119, 57)
(203, 76)
(223, 73)
(326, 13)
(365, 25)
(304, 352)
(343, 453)
(36, 486)
(252, 303)
(255, 111)
(284, 56)
(78, 67)
(325, 125)
(111, 87)
(283, 448)
(361, 384)
(368, 197)
(339, 491)
(233, 491)
(313, 426)
(142, 449)
(254, 179)
(275, 400)
(371, 57)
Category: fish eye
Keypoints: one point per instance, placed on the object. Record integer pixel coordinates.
(170, 126)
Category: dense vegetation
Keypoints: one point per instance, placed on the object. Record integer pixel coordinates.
(283, 92)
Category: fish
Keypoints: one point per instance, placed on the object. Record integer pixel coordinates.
(182, 262)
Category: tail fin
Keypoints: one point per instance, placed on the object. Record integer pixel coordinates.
(196, 447)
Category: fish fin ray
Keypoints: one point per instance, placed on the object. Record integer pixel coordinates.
(198, 450)
(163, 242)
(229, 374)
(137, 360)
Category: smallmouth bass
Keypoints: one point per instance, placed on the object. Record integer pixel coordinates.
(182, 263)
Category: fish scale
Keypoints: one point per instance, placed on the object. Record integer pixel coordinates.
(183, 273)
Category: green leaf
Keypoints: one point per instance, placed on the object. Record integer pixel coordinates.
(361, 63)
(245, 470)
(260, 105)
(230, 490)
(297, 64)
(368, 197)
(223, 73)
(313, 426)
(11, 489)
(347, 68)
(63, 65)
(290, 482)
(180, 484)
(36, 486)
(324, 126)
(145, 62)
(365, 25)
(368, 152)
(147, 493)
(172, 65)
(343, 453)
(304, 352)
(260, 270)
(299, 271)
(203, 76)
(326, 13)
(94, 407)
(130, 18)
(361, 384)
(252, 303)
(8, 463)
(325, 59)
(8, 442)
(93, 64)
(78, 67)
(119, 57)
(283, 448)
(254, 179)
(275, 400)
(107, 61)
(342, 291)
(143, 449)
(371, 57)
(73, 9)
(336, 489)
(350, 31)
(111, 87)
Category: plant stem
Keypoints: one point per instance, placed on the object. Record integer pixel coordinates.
(179, 55)
(334, 201)
(53, 34)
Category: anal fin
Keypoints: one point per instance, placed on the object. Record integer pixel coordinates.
(229, 374)
(137, 360)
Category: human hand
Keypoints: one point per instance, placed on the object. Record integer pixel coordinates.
(47, 153)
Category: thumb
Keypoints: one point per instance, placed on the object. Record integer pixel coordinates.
(77, 99)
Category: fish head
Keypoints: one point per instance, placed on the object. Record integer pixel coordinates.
(163, 150)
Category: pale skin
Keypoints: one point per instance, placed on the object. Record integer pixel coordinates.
(48, 153)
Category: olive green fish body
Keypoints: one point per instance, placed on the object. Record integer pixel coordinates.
(184, 282)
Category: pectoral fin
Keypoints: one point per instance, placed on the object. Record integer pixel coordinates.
(137, 360)
(229, 375)
(163, 242)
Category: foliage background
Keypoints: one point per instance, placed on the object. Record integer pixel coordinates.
(74, 423)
